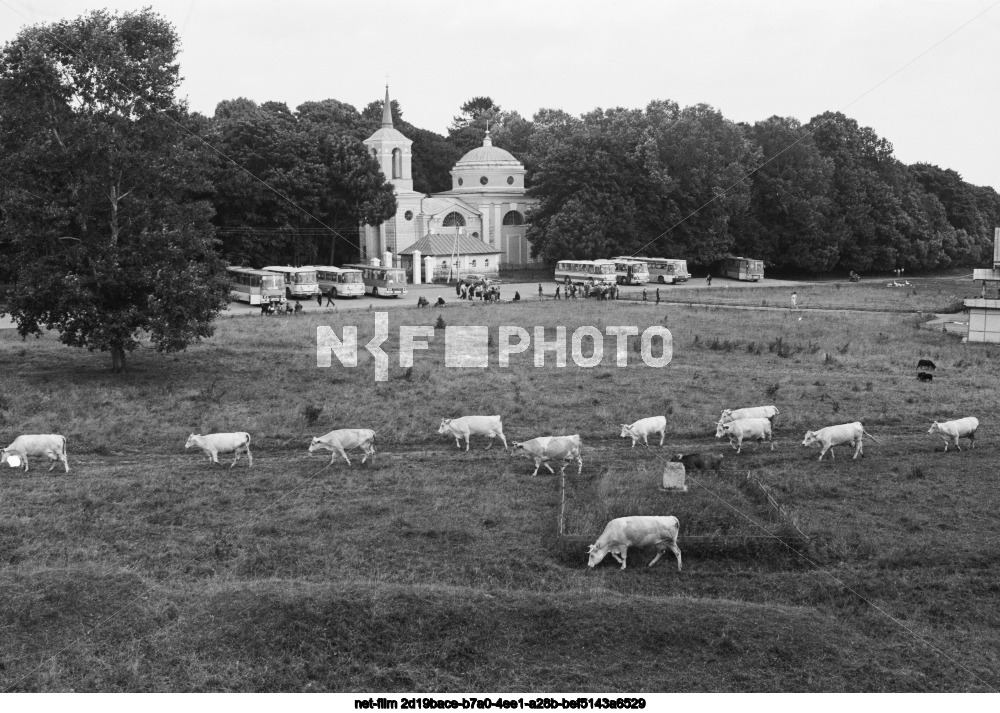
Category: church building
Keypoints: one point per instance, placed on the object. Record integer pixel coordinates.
(481, 219)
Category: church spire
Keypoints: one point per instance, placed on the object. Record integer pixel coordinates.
(387, 111)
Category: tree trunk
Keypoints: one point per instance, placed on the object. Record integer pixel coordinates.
(118, 360)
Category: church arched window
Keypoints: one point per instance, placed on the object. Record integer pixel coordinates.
(513, 217)
(453, 218)
(397, 163)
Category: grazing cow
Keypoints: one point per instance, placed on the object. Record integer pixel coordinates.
(473, 425)
(645, 427)
(547, 448)
(212, 444)
(924, 376)
(745, 428)
(831, 436)
(345, 439)
(637, 531)
(926, 364)
(50, 445)
(699, 461)
(951, 431)
(768, 412)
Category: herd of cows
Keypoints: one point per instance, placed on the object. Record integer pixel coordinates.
(661, 532)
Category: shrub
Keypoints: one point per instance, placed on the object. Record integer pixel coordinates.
(311, 413)
(440, 323)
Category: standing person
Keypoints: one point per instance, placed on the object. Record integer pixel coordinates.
(644, 297)
(557, 293)
(539, 290)
(795, 300)
(458, 288)
(708, 280)
(319, 298)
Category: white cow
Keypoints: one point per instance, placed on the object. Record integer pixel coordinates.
(546, 448)
(768, 412)
(637, 531)
(50, 445)
(473, 425)
(831, 436)
(345, 439)
(745, 428)
(645, 427)
(951, 431)
(212, 444)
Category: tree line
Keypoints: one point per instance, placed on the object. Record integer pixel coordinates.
(120, 207)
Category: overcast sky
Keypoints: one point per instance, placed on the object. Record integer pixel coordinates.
(922, 73)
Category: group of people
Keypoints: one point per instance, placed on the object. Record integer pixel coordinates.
(472, 291)
(269, 308)
(587, 289)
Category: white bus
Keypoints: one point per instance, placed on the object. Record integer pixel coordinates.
(666, 271)
(382, 280)
(256, 286)
(579, 272)
(743, 268)
(339, 281)
(299, 281)
(631, 272)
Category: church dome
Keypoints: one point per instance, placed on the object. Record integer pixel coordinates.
(487, 155)
(488, 169)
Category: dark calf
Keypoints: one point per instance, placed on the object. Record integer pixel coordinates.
(925, 364)
(698, 461)
(924, 376)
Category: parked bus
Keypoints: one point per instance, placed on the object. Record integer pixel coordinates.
(580, 271)
(666, 271)
(382, 280)
(256, 286)
(299, 281)
(339, 281)
(631, 272)
(743, 268)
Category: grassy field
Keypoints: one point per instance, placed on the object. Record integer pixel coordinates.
(145, 569)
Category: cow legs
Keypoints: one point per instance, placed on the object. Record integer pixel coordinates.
(500, 433)
(956, 443)
(65, 462)
(677, 552)
(249, 457)
(466, 443)
(621, 557)
(663, 434)
(54, 458)
(659, 554)
(859, 449)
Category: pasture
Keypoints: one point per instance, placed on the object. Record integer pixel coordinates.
(145, 569)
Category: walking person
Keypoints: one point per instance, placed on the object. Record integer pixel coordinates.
(657, 295)
(329, 299)
(557, 293)
(539, 290)
(708, 280)
(319, 298)
(644, 297)
(795, 300)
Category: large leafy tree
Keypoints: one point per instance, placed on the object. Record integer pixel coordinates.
(293, 187)
(663, 181)
(791, 221)
(103, 195)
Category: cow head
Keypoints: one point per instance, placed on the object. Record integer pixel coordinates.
(314, 444)
(726, 414)
(191, 443)
(935, 428)
(678, 457)
(596, 554)
(720, 429)
(443, 428)
(516, 446)
(810, 438)
(626, 430)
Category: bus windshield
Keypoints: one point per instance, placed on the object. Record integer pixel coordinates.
(303, 278)
(350, 277)
(272, 282)
(605, 268)
(394, 276)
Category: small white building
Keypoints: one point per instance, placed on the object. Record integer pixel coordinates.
(453, 256)
(984, 312)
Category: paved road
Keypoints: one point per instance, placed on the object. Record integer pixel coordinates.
(528, 291)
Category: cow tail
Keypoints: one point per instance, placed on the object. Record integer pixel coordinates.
(871, 436)
(373, 443)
